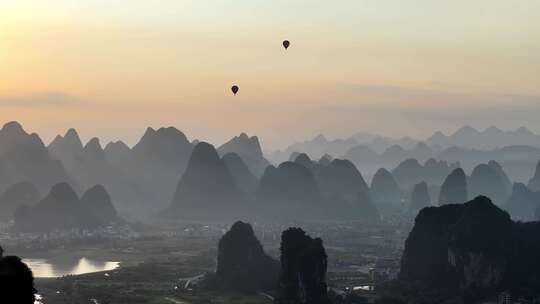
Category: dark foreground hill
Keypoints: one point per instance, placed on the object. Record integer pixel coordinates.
(242, 264)
(16, 281)
(303, 269)
(469, 252)
(244, 268)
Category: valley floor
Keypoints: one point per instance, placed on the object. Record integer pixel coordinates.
(156, 266)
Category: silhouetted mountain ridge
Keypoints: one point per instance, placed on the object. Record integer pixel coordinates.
(207, 189)
(23, 193)
(242, 264)
(61, 209)
(469, 251)
(24, 157)
(490, 138)
(249, 149)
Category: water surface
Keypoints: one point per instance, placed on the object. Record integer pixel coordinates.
(43, 268)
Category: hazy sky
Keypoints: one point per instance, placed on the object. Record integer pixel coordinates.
(113, 67)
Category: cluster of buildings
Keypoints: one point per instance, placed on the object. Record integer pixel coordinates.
(124, 232)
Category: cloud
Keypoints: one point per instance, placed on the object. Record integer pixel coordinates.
(38, 99)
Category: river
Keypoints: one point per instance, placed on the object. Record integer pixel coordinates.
(43, 268)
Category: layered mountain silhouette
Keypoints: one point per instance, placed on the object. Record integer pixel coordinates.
(420, 197)
(487, 180)
(98, 203)
(325, 159)
(67, 148)
(469, 251)
(244, 179)
(518, 161)
(523, 203)
(410, 172)
(156, 164)
(341, 177)
(316, 148)
(290, 191)
(24, 158)
(23, 193)
(385, 191)
(489, 138)
(89, 165)
(164, 147)
(249, 149)
(207, 189)
(466, 137)
(242, 264)
(335, 177)
(514, 150)
(86, 164)
(365, 157)
(366, 209)
(320, 145)
(305, 189)
(504, 177)
(304, 160)
(117, 153)
(141, 179)
(454, 189)
(534, 182)
(61, 209)
(344, 192)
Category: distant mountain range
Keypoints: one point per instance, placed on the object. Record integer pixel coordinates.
(249, 149)
(465, 137)
(166, 171)
(518, 161)
(488, 139)
(141, 180)
(320, 146)
(370, 151)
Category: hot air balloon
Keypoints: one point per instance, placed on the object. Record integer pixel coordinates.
(286, 44)
(234, 89)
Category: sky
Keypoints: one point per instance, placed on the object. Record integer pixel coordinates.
(112, 68)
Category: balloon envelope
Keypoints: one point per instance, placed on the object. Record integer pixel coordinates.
(286, 44)
(234, 89)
